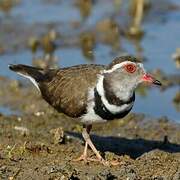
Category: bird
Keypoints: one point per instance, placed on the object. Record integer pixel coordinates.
(91, 93)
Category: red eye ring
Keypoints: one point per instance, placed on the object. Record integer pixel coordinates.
(130, 68)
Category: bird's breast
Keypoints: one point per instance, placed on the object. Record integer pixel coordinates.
(99, 109)
(110, 111)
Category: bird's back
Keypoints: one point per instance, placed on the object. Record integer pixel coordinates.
(67, 90)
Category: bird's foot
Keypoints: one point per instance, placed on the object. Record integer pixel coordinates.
(100, 160)
(109, 163)
(104, 162)
(81, 158)
(87, 159)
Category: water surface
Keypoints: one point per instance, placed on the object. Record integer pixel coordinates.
(162, 37)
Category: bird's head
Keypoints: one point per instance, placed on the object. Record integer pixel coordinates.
(126, 73)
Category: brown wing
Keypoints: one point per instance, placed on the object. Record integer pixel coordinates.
(67, 90)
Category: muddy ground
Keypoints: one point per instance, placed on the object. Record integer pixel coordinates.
(38, 143)
(30, 149)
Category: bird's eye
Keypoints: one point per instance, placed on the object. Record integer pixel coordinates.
(130, 68)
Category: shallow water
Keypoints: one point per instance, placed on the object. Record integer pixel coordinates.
(158, 103)
(162, 37)
(7, 111)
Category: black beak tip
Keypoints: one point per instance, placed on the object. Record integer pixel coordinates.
(157, 83)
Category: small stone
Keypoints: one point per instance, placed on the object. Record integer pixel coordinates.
(24, 131)
(58, 134)
(39, 113)
(109, 156)
(19, 119)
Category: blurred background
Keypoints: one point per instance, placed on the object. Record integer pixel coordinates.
(60, 33)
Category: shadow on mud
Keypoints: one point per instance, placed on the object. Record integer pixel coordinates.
(132, 147)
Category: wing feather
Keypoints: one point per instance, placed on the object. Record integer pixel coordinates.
(67, 91)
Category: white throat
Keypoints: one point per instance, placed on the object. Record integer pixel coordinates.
(122, 92)
(112, 108)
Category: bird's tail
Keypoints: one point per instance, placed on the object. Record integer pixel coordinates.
(34, 74)
(28, 71)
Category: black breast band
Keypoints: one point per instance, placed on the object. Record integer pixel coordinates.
(103, 112)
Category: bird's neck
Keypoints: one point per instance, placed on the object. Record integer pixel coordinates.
(124, 91)
(113, 92)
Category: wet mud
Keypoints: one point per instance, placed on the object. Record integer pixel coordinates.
(38, 143)
(42, 144)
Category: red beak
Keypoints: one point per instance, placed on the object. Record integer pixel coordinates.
(151, 79)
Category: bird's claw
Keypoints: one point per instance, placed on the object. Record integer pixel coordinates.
(81, 158)
(103, 161)
(109, 163)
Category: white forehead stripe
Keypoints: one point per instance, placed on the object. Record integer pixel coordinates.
(142, 67)
(117, 66)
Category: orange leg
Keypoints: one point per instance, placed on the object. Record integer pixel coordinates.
(85, 134)
(84, 155)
